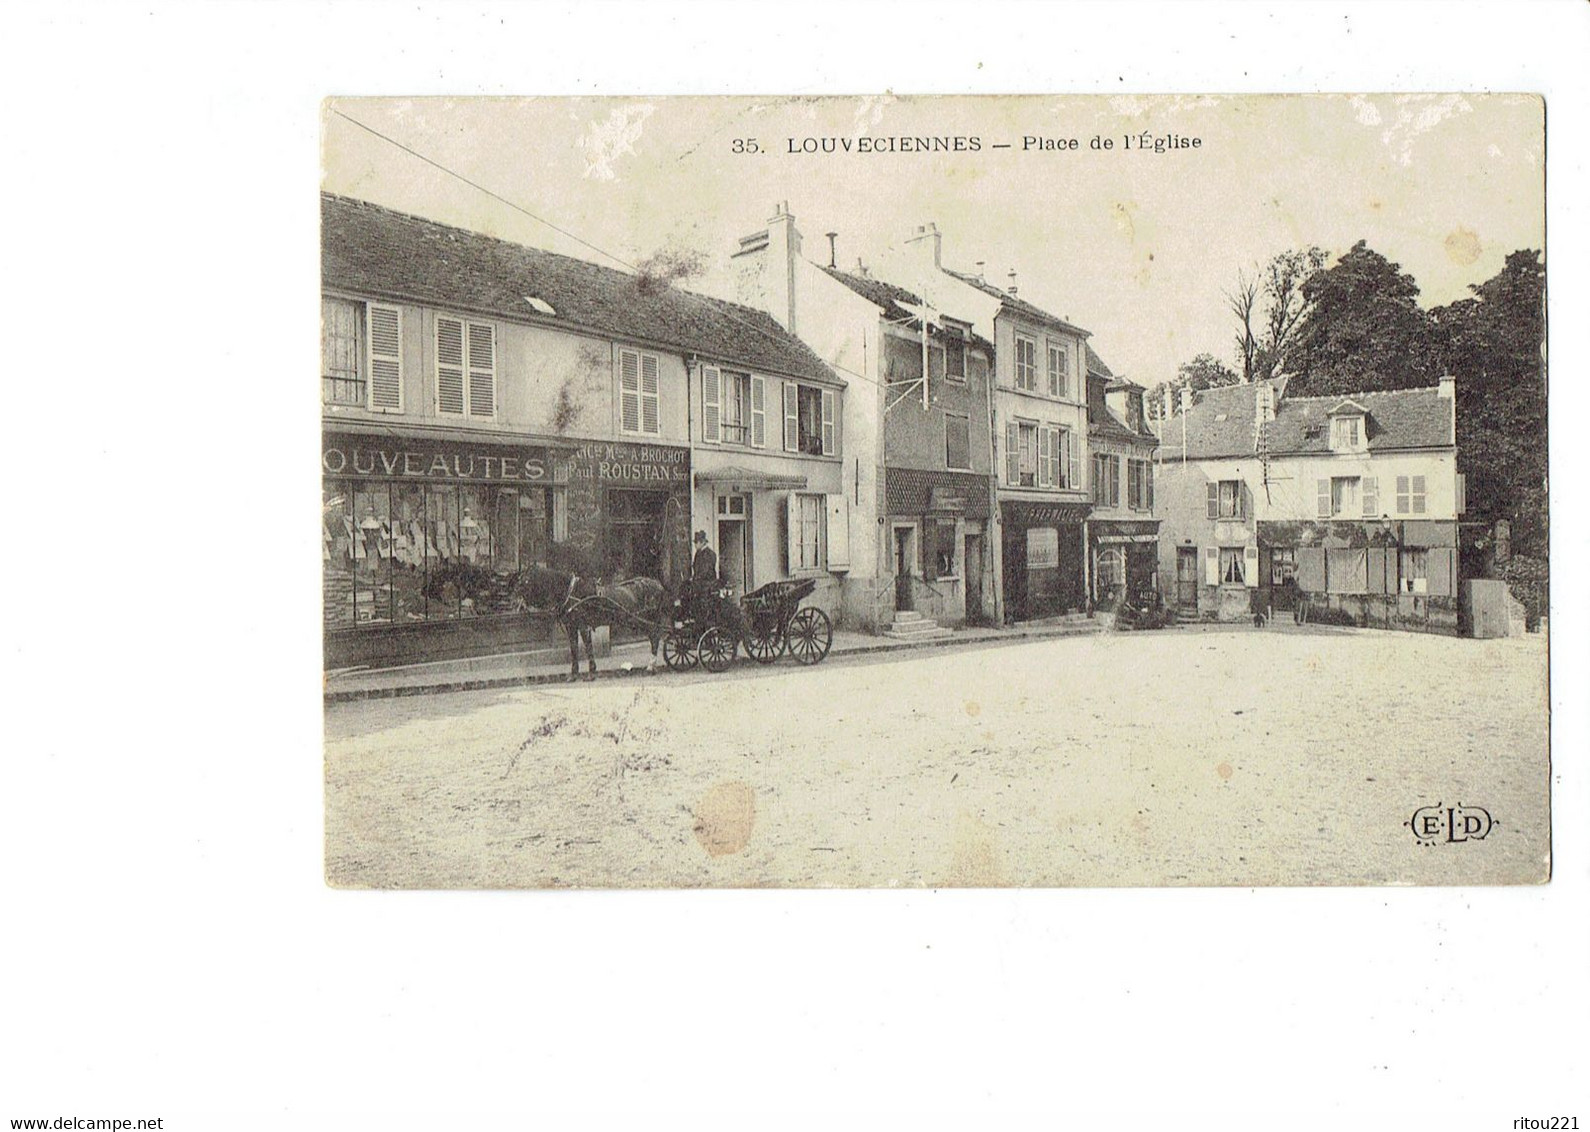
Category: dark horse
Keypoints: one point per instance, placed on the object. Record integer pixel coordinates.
(579, 604)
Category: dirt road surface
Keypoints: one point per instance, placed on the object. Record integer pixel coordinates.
(1242, 757)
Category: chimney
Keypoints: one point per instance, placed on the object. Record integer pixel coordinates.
(833, 248)
(980, 265)
(764, 267)
(1012, 287)
(1186, 398)
(1447, 391)
(926, 245)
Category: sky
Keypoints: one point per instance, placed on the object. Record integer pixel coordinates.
(1134, 245)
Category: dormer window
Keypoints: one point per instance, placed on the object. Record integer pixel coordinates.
(1348, 433)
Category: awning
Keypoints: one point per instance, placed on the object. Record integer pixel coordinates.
(745, 479)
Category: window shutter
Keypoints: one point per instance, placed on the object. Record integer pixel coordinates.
(838, 507)
(1073, 462)
(629, 390)
(1212, 565)
(758, 412)
(386, 357)
(1043, 457)
(1148, 484)
(792, 532)
(1214, 500)
(650, 395)
(792, 418)
(449, 366)
(482, 370)
(1462, 494)
(830, 439)
(1324, 499)
(1061, 439)
(1371, 497)
(1012, 455)
(1418, 495)
(711, 380)
(1250, 565)
(1402, 495)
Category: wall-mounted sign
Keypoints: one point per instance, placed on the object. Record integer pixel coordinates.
(422, 458)
(625, 462)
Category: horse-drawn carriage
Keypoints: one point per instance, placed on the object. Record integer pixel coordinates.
(768, 622)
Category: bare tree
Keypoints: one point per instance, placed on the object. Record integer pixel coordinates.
(1242, 300)
(1285, 305)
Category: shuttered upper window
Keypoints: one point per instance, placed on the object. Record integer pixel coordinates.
(639, 398)
(466, 368)
(361, 354)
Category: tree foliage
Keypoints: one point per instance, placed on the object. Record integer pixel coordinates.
(1493, 344)
(1204, 372)
(1362, 329)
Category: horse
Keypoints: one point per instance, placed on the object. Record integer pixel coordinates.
(579, 604)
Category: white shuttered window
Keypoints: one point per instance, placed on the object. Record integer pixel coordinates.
(466, 368)
(386, 357)
(639, 406)
(711, 379)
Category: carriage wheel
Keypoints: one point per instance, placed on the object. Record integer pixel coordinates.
(679, 652)
(764, 647)
(716, 649)
(810, 635)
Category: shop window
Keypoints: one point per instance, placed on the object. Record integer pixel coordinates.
(958, 442)
(403, 552)
(1231, 572)
(1043, 548)
(1414, 570)
(1111, 569)
(1026, 363)
(635, 535)
(1410, 495)
(938, 558)
(1283, 565)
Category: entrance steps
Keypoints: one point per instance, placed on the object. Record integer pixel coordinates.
(909, 625)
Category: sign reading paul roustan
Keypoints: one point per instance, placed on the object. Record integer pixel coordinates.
(935, 491)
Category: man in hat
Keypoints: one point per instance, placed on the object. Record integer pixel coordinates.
(702, 584)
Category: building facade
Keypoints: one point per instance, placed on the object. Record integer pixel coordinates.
(487, 406)
(1123, 532)
(1345, 505)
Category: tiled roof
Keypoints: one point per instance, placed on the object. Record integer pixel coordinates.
(368, 249)
(1011, 302)
(1220, 422)
(1103, 421)
(1096, 363)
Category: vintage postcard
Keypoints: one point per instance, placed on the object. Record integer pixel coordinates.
(934, 491)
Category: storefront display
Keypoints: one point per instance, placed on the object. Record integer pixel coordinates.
(418, 529)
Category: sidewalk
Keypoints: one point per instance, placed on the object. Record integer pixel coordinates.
(512, 670)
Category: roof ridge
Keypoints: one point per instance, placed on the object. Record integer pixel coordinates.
(1367, 393)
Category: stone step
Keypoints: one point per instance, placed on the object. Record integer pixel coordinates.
(930, 634)
(915, 628)
(906, 615)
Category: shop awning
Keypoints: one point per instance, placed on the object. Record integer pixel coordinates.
(746, 479)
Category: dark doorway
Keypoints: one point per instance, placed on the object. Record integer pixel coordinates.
(974, 578)
(902, 567)
(1187, 578)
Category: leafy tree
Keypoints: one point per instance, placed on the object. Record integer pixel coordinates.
(1362, 329)
(1204, 372)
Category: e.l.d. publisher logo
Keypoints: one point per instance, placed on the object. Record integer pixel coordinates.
(1447, 825)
